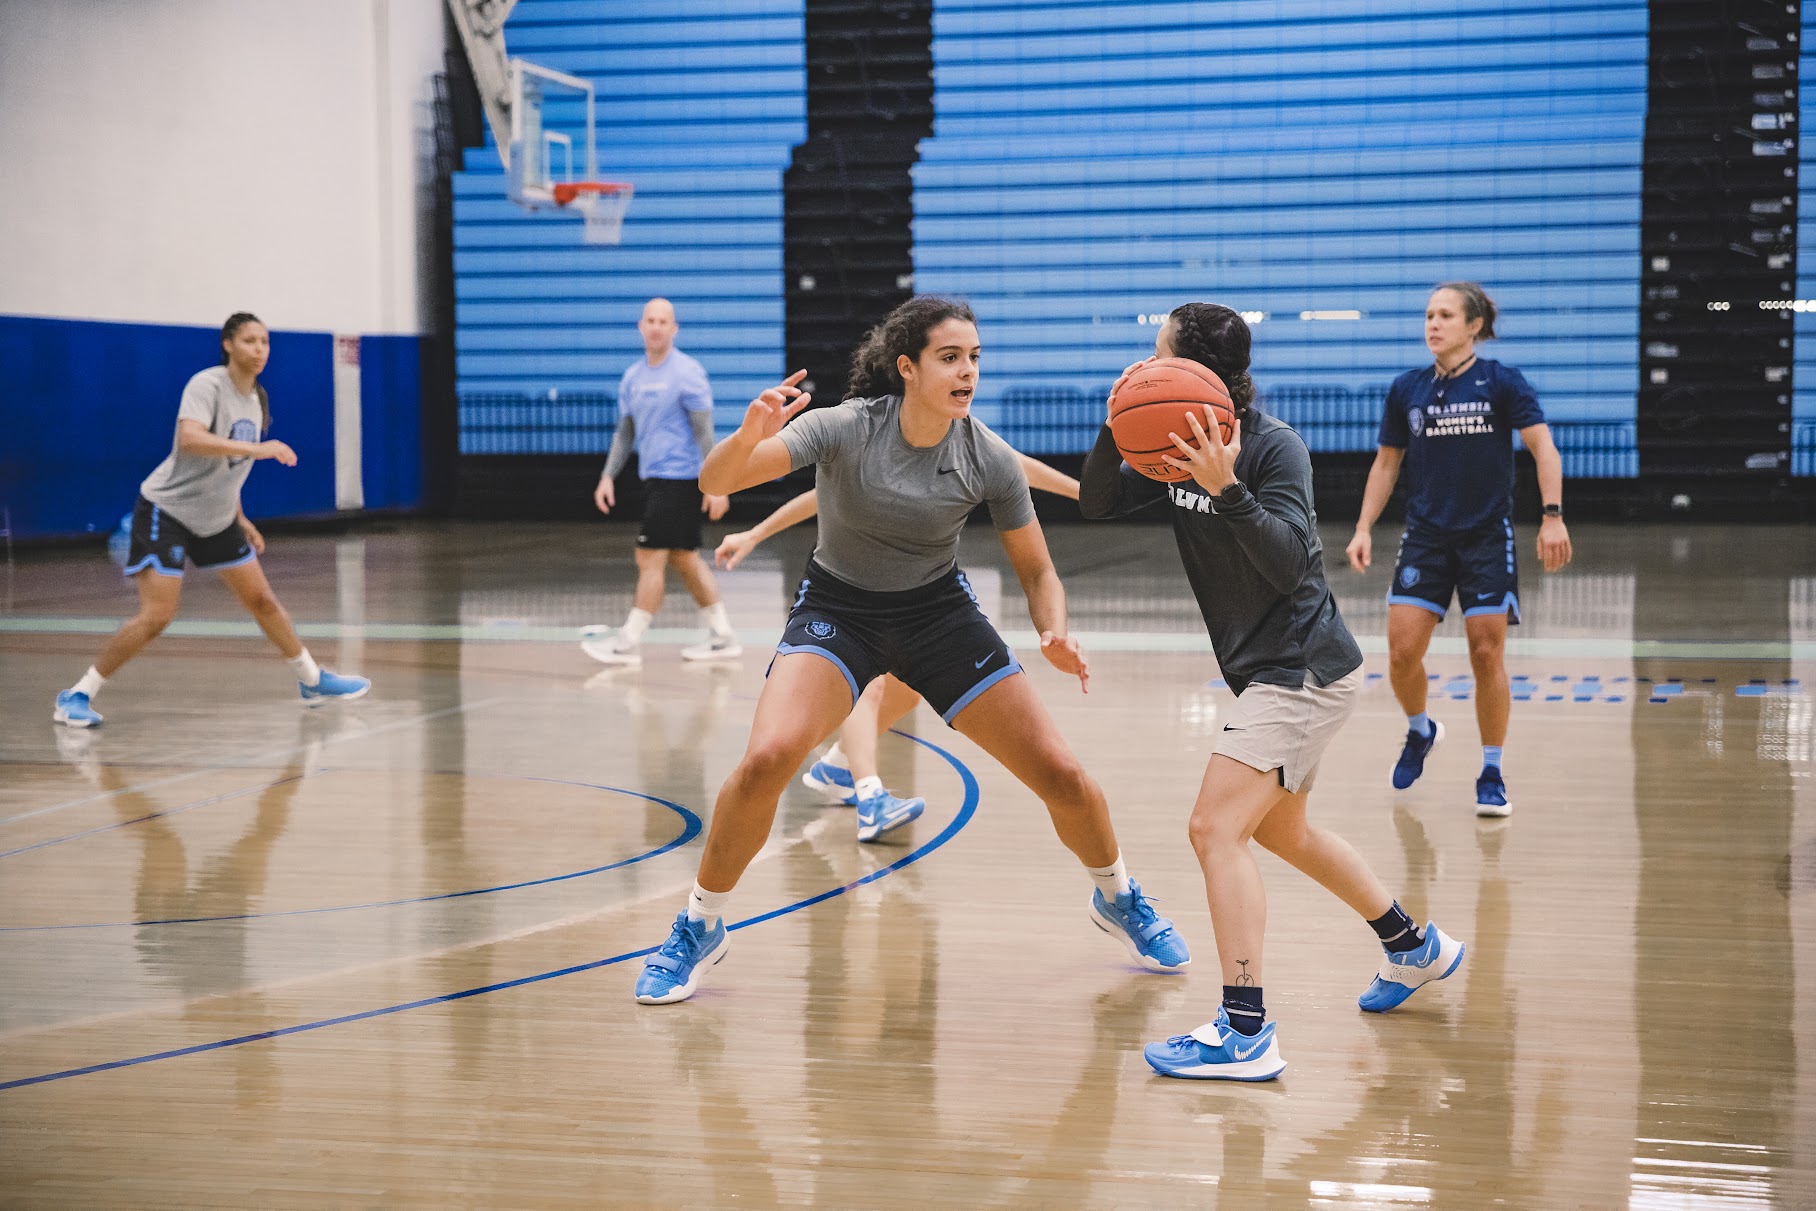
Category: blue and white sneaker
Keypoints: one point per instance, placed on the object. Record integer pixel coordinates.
(1216, 1051)
(1412, 755)
(73, 709)
(833, 780)
(1491, 794)
(1149, 937)
(1403, 974)
(884, 813)
(673, 972)
(333, 687)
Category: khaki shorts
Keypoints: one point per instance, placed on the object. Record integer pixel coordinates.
(1276, 728)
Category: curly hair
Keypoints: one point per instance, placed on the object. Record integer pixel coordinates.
(1476, 305)
(903, 332)
(235, 322)
(1218, 339)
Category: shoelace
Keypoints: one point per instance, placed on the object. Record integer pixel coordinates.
(680, 944)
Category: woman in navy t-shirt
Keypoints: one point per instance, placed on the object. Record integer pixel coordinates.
(1451, 425)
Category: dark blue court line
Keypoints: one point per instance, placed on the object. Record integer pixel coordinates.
(966, 811)
(690, 828)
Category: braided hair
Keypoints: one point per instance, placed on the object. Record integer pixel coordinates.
(902, 333)
(1218, 339)
(1476, 305)
(235, 322)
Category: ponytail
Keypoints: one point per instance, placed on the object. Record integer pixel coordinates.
(1217, 339)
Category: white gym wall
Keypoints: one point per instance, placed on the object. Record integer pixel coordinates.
(172, 161)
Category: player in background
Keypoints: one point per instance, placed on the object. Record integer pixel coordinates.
(1450, 426)
(665, 416)
(189, 510)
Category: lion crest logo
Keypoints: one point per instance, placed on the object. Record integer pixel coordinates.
(821, 630)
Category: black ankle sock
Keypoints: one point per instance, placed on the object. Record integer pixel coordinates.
(1396, 930)
(1242, 1002)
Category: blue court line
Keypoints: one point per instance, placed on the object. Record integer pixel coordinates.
(690, 828)
(966, 811)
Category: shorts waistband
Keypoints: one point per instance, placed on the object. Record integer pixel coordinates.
(945, 583)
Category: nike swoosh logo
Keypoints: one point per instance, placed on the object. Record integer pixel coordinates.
(1228, 728)
(947, 470)
(1240, 1054)
(978, 664)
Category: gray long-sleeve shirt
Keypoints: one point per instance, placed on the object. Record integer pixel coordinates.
(1256, 568)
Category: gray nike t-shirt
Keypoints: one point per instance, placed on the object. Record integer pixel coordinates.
(891, 513)
(203, 491)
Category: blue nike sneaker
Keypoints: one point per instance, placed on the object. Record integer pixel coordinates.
(1149, 937)
(674, 971)
(1412, 756)
(334, 687)
(884, 813)
(73, 709)
(833, 780)
(1404, 973)
(1491, 794)
(1216, 1051)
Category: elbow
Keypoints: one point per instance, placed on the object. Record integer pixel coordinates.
(1093, 508)
(715, 485)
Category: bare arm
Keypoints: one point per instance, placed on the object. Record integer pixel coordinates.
(1027, 551)
(193, 437)
(1554, 538)
(1043, 478)
(734, 547)
(754, 454)
(1381, 479)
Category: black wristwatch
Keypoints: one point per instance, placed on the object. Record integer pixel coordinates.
(1553, 511)
(1230, 497)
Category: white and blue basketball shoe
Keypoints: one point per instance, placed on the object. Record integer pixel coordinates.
(334, 688)
(1216, 1051)
(1149, 937)
(884, 813)
(1405, 973)
(832, 780)
(674, 971)
(74, 709)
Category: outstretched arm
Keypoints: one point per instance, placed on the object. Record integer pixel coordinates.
(754, 454)
(193, 437)
(1043, 478)
(1105, 489)
(1027, 551)
(734, 547)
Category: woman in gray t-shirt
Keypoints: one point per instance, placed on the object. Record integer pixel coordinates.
(899, 471)
(189, 511)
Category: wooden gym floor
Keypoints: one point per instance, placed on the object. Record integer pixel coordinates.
(381, 954)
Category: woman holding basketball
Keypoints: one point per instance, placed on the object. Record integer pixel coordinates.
(1451, 424)
(1248, 536)
(189, 510)
(899, 472)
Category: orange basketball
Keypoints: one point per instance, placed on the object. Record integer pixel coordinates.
(1153, 402)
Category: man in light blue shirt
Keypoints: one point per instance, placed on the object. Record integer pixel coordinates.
(665, 414)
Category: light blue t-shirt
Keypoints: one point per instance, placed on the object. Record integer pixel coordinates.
(658, 399)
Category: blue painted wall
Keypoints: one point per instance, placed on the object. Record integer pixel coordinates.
(89, 409)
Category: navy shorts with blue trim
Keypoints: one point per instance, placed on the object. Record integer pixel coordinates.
(161, 542)
(934, 639)
(1478, 566)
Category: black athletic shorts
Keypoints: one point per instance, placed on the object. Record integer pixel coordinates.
(671, 515)
(161, 542)
(1478, 566)
(934, 638)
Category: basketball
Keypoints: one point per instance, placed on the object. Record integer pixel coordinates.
(1154, 402)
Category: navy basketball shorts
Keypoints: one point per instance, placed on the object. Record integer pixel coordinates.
(671, 515)
(1477, 566)
(161, 542)
(934, 639)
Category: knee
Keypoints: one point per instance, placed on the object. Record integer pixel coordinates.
(771, 762)
(1404, 657)
(1209, 832)
(1282, 842)
(1067, 783)
(155, 618)
(264, 605)
(1486, 650)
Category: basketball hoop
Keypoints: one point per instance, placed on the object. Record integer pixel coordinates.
(601, 203)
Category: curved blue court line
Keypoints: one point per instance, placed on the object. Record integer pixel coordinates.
(966, 811)
(690, 828)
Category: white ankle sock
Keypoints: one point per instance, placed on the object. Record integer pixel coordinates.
(90, 684)
(634, 625)
(867, 787)
(836, 756)
(703, 905)
(307, 671)
(718, 622)
(1111, 880)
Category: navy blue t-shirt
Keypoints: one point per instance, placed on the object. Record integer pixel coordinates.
(1458, 437)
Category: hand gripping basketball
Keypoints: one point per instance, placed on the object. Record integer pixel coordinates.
(1149, 407)
(1211, 461)
(773, 408)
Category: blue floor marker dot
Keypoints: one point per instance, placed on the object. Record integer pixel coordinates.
(1554, 697)
(1658, 701)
